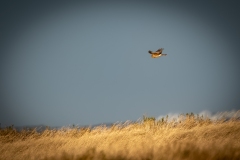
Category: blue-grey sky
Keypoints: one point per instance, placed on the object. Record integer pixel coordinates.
(87, 62)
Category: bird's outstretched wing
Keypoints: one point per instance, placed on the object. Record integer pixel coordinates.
(160, 50)
(150, 52)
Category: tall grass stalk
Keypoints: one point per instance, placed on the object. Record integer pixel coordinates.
(189, 137)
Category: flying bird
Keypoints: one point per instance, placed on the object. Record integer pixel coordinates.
(157, 53)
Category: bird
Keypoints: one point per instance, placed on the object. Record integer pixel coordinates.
(157, 53)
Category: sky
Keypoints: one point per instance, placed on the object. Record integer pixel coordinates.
(87, 62)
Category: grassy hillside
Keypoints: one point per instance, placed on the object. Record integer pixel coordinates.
(188, 137)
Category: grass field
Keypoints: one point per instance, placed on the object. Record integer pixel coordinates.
(187, 137)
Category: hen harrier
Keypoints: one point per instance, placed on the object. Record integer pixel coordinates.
(157, 53)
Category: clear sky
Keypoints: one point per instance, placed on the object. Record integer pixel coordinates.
(87, 62)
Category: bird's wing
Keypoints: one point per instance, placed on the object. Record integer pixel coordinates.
(160, 50)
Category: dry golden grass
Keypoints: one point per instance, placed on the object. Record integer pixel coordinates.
(189, 138)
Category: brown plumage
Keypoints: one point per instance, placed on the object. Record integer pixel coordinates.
(157, 53)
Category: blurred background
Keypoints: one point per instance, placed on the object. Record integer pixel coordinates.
(87, 62)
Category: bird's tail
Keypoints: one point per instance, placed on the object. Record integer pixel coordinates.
(164, 54)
